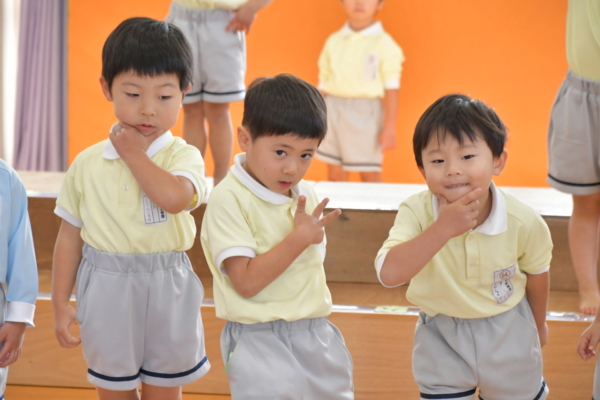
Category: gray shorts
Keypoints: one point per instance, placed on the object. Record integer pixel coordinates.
(574, 137)
(301, 360)
(352, 139)
(452, 357)
(219, 55)
(139, 317)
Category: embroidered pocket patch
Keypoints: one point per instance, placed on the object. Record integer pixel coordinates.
(503, 288)
(371, 68)
(152, 213)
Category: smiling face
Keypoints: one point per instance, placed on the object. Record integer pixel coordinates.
(361, 13)
(150, 104)
(453, 170)
(277, 162)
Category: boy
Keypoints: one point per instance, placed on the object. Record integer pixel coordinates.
(359, 67)
(573, 146)
(18, 270)
(478, 261)
(215, 30)
(125, 206)
(263, 238)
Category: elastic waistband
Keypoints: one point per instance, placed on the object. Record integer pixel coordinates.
(281, 325)
(200, 15)
(520, 308)
(586, 85)
(134, 263)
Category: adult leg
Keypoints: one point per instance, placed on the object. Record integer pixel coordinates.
(105, 394)
(220, 137)
(150, 392)
(370, 176)
(194, 131)
(336, 173)
(584, 230)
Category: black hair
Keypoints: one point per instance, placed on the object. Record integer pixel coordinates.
(284, 104)
(149, 48)
(458, 115)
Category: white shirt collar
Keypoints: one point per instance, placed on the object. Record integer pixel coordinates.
(257, 188)
(496, 222)
(110, 153)
(374, 29)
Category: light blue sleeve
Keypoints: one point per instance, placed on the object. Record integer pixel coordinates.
(21, 274)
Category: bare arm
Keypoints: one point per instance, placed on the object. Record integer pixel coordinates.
(537, 291)
(407, 259)
(246, 14)
(387, 137)
(67, 256)
(169, 192)
(251, 275)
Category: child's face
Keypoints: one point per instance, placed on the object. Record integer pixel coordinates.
(277, 162)
(150, 104)
(361, 10)
(452, 170)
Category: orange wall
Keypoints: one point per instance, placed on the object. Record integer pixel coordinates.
(509, 53)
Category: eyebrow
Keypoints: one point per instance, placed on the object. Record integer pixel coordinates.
(287, 146)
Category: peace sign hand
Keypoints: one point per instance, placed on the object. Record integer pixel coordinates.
(310, 226)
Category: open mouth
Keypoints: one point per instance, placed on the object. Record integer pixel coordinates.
(458, 185)
(285, 185)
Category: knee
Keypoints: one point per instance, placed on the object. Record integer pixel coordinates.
(216, 110)
(588, 205)
(194, 109)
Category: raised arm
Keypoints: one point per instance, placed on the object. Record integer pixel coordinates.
(246, 14)
(169, 192)
(67, 256)
(251, 275)
(407, 259)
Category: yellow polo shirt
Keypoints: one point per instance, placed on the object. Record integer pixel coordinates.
(244, 218)
(583, 38)
(101, 196)
(210, 4)
(482, 272)
(360, 64)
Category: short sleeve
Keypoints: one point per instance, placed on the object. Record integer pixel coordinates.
(536, 254)
(226, 231)
(392, 58)
(324, 65)
(406, 227)
(68, 202)
(188, 163)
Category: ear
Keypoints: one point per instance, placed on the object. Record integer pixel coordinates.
(500, 162)
(380, 6)
(188, 88)
(105, 89)
(244, 138)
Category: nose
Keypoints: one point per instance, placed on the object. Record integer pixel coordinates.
(453, 168)
(290, 167)
(148, 108)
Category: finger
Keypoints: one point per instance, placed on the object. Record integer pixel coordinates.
(319, 208)
(230, 25)
(301, 205)
(583, 347)
(5, 350)
(469, 197)
(331, 216)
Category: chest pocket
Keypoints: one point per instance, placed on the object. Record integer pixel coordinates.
(371, 67)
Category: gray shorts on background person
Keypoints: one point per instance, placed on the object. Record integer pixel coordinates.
(353, 128)
(139, 317)
(300, 360)
(500, 355)
(574, 137)
(219, 55)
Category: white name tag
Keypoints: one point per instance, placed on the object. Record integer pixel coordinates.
(503, 288)
(371, 68)
(152, 213)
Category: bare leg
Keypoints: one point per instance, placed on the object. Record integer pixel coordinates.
(370, 176)
(150, 392)
(220, 137)
(335, 173)
(584, 233)
(194, 131)
(104, 394)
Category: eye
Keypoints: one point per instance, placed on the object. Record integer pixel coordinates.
(165, 97)
(132, 94)
(280, 152)
(468, 157)
(306, 156)
(437, 161)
